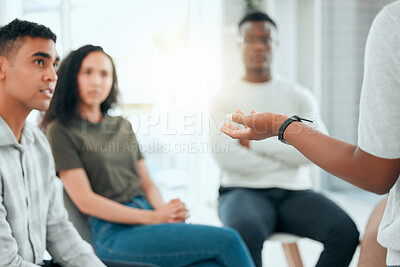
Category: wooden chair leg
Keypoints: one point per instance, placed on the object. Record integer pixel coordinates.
(292, 254)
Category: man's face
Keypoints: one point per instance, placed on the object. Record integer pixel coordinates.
(30, 78)
(257, 45)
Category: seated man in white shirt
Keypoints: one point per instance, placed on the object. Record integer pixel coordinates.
(32, 215)
(265, 186)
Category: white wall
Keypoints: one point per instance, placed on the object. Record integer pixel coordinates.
(9, 10)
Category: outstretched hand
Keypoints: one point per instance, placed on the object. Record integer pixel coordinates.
(257, 126)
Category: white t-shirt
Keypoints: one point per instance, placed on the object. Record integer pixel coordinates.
(268, 163)
(379, 125)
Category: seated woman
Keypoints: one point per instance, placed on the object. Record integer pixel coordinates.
(103, 171)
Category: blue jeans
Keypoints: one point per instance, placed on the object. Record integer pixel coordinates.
(257, 213)
(169, 245)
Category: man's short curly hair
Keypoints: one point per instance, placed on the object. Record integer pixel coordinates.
(12, 36)
(256, 16)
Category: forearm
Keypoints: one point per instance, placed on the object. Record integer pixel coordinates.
(152, 193)
(88, 202)
(342, 159)
(154, 197)
(112, 211)
(171, 212)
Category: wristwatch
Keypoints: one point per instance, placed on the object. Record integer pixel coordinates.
(285, 124)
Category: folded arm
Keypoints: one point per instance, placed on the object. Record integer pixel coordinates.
(236, 158)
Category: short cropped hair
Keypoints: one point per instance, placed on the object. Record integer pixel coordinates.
(12, 36)
(256, 16)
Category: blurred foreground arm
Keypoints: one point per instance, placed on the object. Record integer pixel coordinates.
(342, 159)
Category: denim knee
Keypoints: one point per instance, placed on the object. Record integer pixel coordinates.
(250, 230)
(346, 233)
(229, 235)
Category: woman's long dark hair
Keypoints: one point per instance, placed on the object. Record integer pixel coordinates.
(63, 106)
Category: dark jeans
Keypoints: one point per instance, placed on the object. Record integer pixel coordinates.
(126, 264)
(50, 263)
(257, 213)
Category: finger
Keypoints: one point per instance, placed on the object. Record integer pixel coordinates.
(178, 216)
(176, 220)
(253, 112)
(180, 208)
(171, 202)
(231, 126)
(238, 118)
(180, 213)
(237, 134)
(239, 111)
(245, 143)
(182, 218)
(173, 220)
(180, 202)
(226, 129)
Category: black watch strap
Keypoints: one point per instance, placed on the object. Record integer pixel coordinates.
(285, 124)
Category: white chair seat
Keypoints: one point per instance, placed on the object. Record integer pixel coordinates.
(284, 237)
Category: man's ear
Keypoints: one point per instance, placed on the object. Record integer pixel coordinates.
(3, 63)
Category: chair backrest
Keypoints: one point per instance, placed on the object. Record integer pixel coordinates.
(78, 219)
